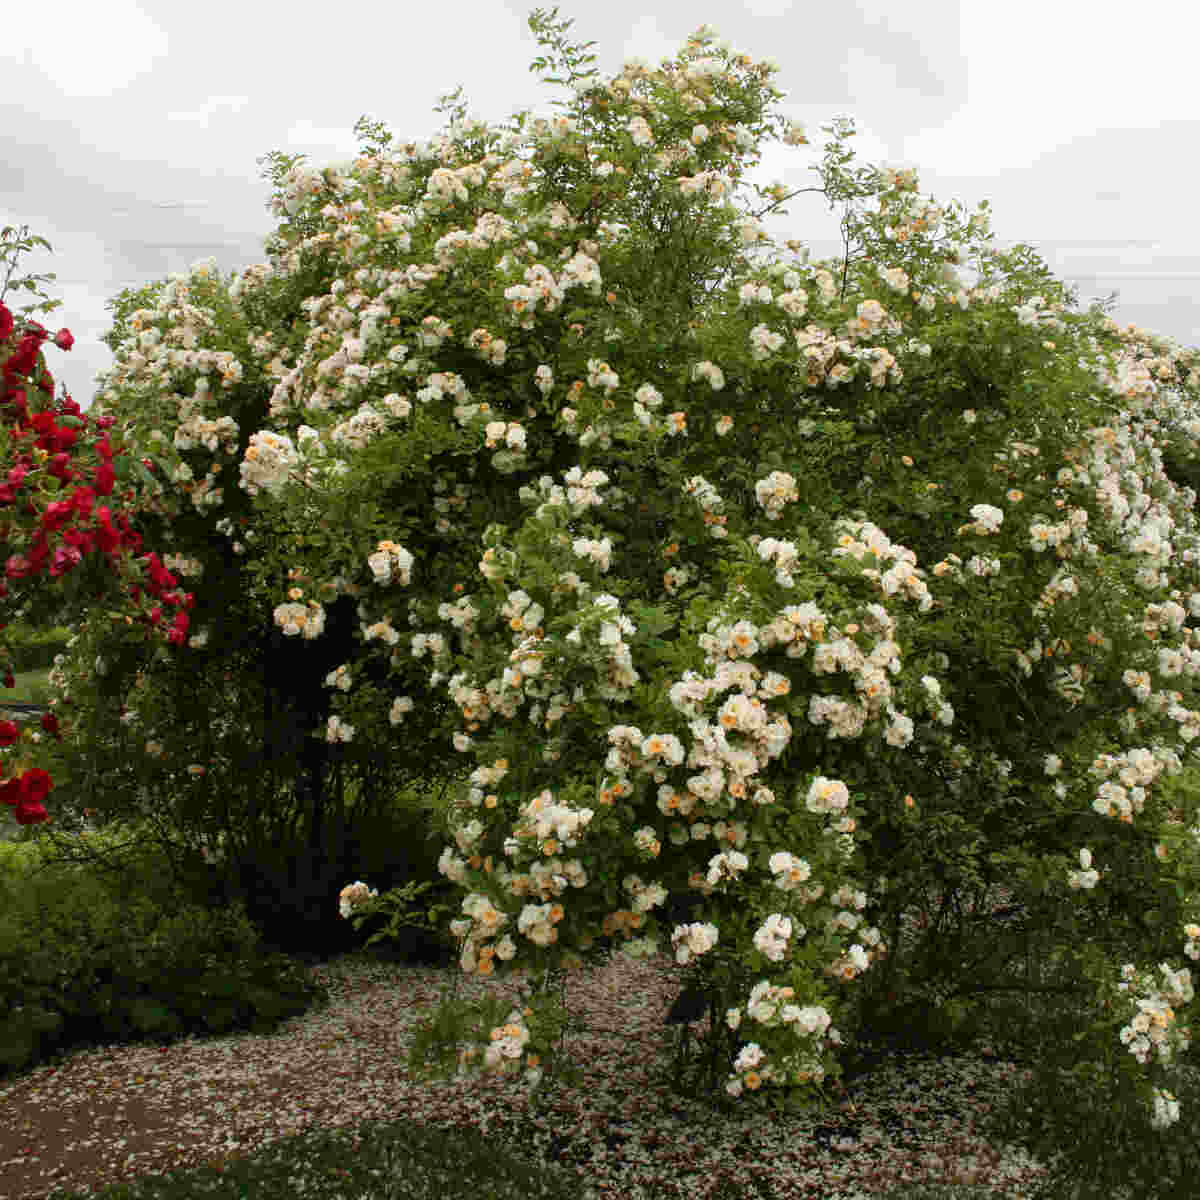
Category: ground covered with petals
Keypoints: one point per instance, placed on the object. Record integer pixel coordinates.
(97, 1116)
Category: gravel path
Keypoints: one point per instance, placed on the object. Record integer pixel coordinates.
(111, 1113)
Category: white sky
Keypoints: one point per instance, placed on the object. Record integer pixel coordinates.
(129, 131)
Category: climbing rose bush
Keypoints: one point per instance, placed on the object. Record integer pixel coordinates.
(734, 592)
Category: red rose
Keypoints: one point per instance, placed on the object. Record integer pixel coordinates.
(64, 438)
(60, 467)
(35, 786)
(9, 733)
(50, 722)
(23, 360)
(30, 812)
(160, 577)
(65, 558)
(81, 541)
(63, 339)
(10, 791)
(105, 478)
(129, 537)
(83, 499)
(107, 538)
(56, 514)
(6, 323)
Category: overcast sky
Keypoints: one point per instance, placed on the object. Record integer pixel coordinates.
(129, 131)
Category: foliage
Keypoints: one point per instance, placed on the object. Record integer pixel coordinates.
(35, 649)
(124, 306)
(43, 445)
(403, 912)
(285, 864)
(86, 961)
(223, 746)
(874, 436)
(1079, 1118)
(282, 701)
(15, 242)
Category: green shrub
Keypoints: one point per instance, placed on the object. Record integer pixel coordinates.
(1095, 1138)
(123, 858)
(289, 875)
(34, 649)
(84, 963)
(289, 886)
(301, 818)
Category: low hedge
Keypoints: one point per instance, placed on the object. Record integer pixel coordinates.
(84, 963)
(35, 649)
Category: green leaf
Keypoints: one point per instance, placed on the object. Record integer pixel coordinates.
(652, 621)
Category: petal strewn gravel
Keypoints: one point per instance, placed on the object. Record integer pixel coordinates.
(101, 1115)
